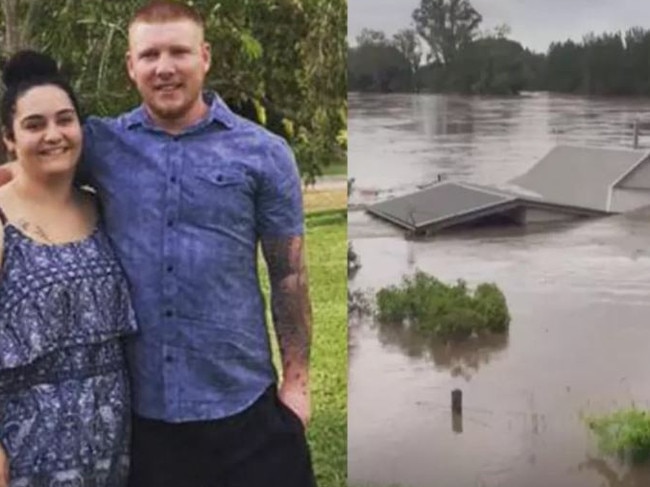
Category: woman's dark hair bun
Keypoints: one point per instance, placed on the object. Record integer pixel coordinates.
(26, 65)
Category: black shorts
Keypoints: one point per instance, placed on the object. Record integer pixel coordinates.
(263, 446)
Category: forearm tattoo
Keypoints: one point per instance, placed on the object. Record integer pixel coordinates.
(290, 304)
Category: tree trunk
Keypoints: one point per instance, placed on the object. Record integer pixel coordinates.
(12, 41)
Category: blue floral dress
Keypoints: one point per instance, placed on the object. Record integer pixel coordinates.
(64, 394)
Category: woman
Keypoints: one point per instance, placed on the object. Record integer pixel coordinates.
(64, 306)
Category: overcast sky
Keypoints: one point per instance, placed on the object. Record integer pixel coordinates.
(534, 23)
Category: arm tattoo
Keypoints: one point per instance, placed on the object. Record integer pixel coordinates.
(290, 305)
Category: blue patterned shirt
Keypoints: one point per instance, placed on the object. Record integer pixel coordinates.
(185, 214)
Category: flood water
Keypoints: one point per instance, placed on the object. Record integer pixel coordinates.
(579, 297)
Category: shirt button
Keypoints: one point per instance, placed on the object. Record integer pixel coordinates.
(169, 359)
(173, 179)
(170, 268)
(169, 313)
(170, 223)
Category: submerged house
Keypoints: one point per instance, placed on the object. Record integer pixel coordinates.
(568, 183)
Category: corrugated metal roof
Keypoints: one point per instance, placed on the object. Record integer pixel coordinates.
(440, 202)
(579, 176)
(578, 180)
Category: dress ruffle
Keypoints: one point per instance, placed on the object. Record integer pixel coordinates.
(44, 309)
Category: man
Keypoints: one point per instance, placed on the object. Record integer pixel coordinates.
(188, 189)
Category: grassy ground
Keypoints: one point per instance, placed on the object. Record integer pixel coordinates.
(335, 170)
(327, 247)
(317, 200)
(327, 264)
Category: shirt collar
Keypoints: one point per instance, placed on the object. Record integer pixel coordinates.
(218, 112)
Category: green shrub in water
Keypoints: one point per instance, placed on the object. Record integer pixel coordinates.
(491, 304)
(458, 323)
(444, 310)
(392, 304)
(623, 433)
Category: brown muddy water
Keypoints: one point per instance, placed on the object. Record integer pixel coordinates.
(579, 296)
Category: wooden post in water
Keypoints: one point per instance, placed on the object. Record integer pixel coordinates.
(457, 401)
(457, 411)
(636, 133)
(456, 423)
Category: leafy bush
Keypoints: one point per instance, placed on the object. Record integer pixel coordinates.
(444, 310)
(624, 433)
(459, 323)
(392, 304)
(491, 303)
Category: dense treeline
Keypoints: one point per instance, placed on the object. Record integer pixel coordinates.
(460, 58)
(280, 63)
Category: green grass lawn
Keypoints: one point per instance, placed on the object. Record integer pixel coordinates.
(335, 170)
(327, 254)
(327, 265)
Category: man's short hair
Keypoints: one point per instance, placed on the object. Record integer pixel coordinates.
(159, 11)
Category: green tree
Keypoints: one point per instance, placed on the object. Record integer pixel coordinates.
(408, 44)
(371, 37)
(534, 65)
(280, 63)
(377, 65)
(17, 18)
(501, 31)
(637, 49)
(447, 26)
(492, 65)
(564, 67)
(604, 65)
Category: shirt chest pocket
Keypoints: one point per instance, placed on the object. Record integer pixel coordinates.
(214, 198)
